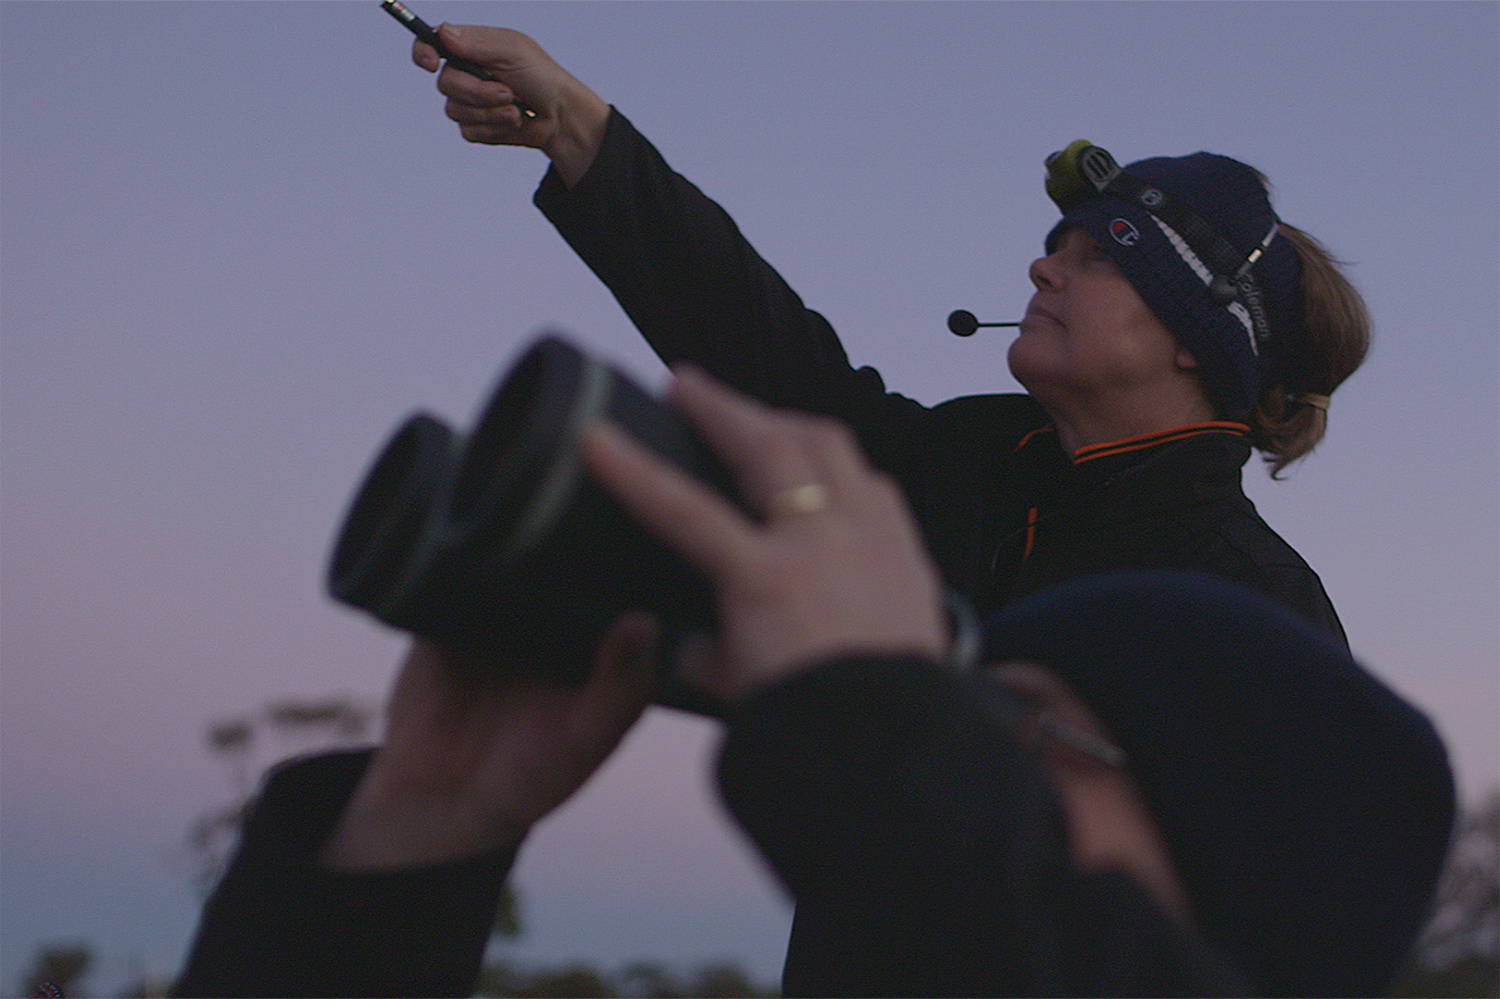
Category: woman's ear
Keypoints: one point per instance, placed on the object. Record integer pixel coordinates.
(1186, 361)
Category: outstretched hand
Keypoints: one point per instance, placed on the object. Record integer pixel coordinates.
(569, 118)
(473, 757)
(834, 566)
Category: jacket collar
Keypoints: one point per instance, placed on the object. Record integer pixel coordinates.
(1142, 442)
(1174, 467)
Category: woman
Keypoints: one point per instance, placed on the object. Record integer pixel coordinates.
(1145, 395)
(1118, 806)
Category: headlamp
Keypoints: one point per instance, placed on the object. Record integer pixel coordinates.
(1083, 171)
(1078, 173)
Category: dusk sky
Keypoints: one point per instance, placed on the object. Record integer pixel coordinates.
(240, 241)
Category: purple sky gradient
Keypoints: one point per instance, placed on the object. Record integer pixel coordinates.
(239, 241)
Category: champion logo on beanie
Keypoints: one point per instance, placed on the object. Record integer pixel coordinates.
(1124, 233)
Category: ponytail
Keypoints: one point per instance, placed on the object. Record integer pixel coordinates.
(1291, 414)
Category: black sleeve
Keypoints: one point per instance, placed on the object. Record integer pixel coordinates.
(926, 852)
(279, 925)
(699, 292)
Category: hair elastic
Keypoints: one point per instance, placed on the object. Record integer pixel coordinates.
(1312, 399)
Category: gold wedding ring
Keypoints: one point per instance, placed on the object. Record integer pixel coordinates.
(810, 497)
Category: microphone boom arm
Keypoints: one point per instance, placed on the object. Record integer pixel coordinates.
(961, 322)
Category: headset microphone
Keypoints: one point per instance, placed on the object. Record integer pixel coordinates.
(962, 323)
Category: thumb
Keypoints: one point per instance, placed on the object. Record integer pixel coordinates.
(625, 664)
(478, 43)
(459, 41)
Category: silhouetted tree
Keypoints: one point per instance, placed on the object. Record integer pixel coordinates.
(723, 981)
(295, 727)
(576, 981)
(649, 980)
(639, 980)
(1458, 953)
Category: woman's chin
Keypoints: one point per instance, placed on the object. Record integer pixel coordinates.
(1031, 361)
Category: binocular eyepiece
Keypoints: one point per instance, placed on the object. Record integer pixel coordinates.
(497, 543)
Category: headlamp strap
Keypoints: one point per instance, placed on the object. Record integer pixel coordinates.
(1216, 252)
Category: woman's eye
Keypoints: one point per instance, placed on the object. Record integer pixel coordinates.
(1097, 257)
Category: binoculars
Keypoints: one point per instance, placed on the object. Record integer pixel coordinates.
(498, 544)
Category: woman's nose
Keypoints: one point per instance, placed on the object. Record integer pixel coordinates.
(1043, 272)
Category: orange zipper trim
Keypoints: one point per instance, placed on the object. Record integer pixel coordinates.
(1030, 534)
(1160, 437)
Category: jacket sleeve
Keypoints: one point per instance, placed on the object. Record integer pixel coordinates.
(926, 852)
(698, 291)
(280, 925)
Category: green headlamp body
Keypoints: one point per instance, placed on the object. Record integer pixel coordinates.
(1078, 173)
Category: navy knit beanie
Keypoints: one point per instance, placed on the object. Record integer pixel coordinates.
(1306, 806)
(1173, 279)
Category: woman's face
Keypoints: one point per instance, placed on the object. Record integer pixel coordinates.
(1087, 335)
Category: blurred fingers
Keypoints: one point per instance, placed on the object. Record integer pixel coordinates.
(620, 683)
(773, 453)
(627, 653)
(689, 516)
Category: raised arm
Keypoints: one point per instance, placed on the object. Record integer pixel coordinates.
(700, 292)
(674, 259)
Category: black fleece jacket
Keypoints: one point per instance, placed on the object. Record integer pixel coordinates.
(1005, 512)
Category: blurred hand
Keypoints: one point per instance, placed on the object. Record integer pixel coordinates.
(570, 118)
(1109, 823)
(474, 756)
(836, 566)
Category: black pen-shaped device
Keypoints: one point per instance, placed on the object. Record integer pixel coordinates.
(424, 31)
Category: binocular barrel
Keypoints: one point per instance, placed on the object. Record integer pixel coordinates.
(498, 543)
(391, 512)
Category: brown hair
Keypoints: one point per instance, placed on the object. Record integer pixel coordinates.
(1286, 425)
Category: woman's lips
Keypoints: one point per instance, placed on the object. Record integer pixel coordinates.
(1036, 314)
